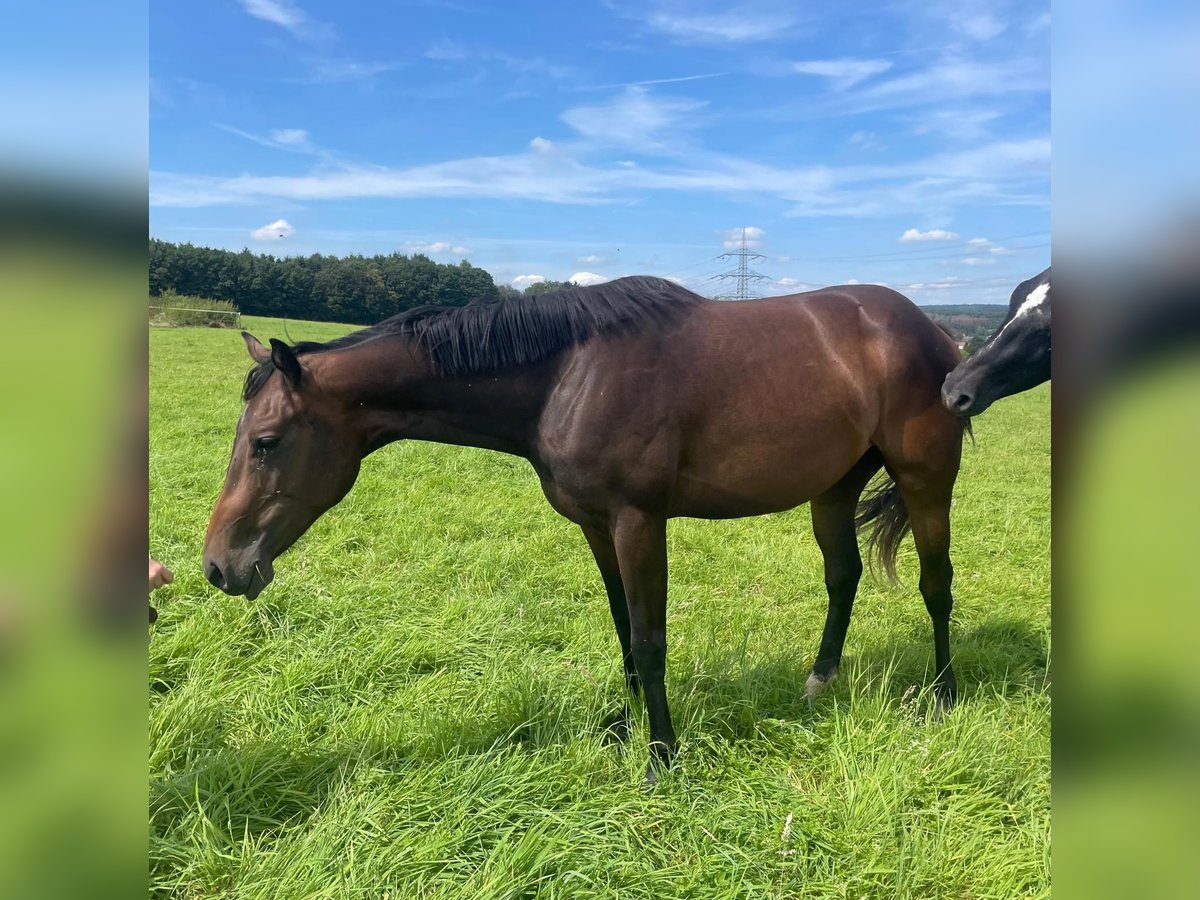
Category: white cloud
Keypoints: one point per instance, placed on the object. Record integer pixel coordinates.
(446, 50)
(731, 239)
(866, 140)
(523, 281)
(634, 118)
(982, 27)
(793, 285)
(649, 81)
(957, 122)
(274, 231)
(978, 261)
(842, 73)
(430, 248)
(329, 71)
(592, 260)
(947, 81)
(934, 234)
(289, 135)
(1028, 156)
(943, 284)
(586, 278)
(736, 26)
(980, 244)
(278, 12)
(287, 14)
(293, 140)
(541, 145)
(1011, 172)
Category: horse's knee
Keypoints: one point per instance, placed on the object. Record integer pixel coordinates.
(650, 657)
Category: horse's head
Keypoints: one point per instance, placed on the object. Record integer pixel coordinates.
(1014, 359)
(296, 453)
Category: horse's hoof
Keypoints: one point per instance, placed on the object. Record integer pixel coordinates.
(662, 757)
(942, 705)
(650, 782)
(816, 684)
(938, 711)
(616, 729)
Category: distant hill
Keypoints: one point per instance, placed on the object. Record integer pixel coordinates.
(976, 322)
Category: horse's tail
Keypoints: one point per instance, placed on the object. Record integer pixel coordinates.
(882, 508)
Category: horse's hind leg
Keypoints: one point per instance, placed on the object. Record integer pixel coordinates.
(605, 555)
(833, 525)
(926, 484)
(931, 533)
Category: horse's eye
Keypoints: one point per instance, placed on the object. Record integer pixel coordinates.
(263, 444)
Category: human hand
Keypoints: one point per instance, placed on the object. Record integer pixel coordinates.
(159, 575)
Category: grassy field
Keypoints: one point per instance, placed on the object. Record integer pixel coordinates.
(413, 708)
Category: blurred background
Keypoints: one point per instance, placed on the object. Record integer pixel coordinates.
(73, 151)
(1126, 387)
(1126, 232)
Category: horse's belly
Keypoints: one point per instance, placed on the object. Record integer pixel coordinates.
(764, 475)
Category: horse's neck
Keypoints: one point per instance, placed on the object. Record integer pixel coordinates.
(403, 398)
(496, 411)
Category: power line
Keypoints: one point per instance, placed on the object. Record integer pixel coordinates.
(742, 276)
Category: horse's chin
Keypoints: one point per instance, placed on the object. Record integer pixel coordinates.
(263, 574)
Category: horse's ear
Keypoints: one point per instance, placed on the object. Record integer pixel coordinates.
(258, 352)
(284, 358)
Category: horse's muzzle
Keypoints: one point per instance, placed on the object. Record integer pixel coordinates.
(959, 402)
(250, 584)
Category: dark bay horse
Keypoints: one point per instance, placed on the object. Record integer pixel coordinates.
(1014, 359)
(635, 401)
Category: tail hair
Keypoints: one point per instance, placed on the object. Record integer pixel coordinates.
(882, 508)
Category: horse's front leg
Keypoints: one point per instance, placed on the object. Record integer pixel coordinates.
(640, 540)
(605, 554)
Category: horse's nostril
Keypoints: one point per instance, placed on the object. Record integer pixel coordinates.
(963, 401)
(213, 573)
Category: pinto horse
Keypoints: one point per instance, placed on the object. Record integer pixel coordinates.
(1014, 359)
(635, 401)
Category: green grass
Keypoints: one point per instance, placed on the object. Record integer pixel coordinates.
(413, 709)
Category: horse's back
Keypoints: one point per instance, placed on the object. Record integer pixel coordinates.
(870, 334)
(742, 408)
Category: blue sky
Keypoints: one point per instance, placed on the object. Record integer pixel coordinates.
(905, 143)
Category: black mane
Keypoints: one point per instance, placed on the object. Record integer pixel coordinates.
(482, 337)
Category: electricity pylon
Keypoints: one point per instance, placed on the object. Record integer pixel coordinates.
(742, 276)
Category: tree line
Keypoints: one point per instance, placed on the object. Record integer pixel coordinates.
(359, 290)
(362, 290)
